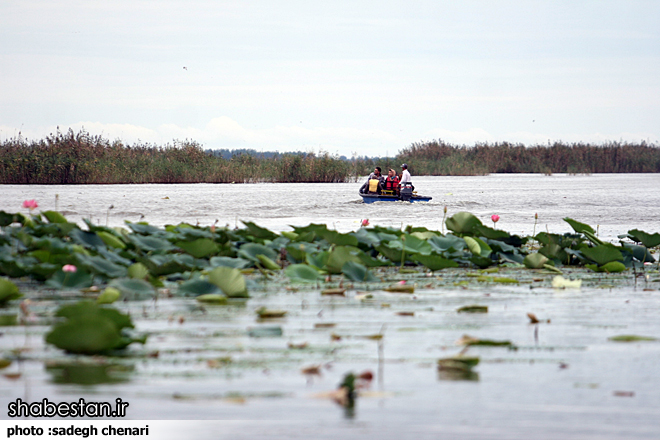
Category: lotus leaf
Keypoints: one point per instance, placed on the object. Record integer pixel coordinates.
(212, 298)
(8, 291)
(101, 266)
(631, 338)
(535, 261)
(340, 256)
(648, 240)
(249, 251)
(138, 271)
(602, 254)
(200, 248)
(449, 243)
(357, 272)
(641, 253)
(336, 238)
(237, 263)
(230, 280)
(268, 263)
(463, 223)
(302, 273)
(87, 239)
(434, 262)
(85, 335)
(198, 287)
(76, 280)
(148, 243)
(265, 332)
(167, 264)
(108, 296)
(258, 231)
(472, 245)
(111, 240)
(579, 227)
(133, 289)
(54, 217)
(88, 374)
(318, 260)
(144, 228)
(473, 309)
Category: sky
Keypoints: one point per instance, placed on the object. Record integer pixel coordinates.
(345, 77)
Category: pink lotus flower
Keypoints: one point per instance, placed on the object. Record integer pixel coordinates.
(365, 222)
(69, 268)
(495, 218)
(402, 282)
(30, 204)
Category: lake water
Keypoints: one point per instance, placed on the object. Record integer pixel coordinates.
(565, 380)
(612, 202)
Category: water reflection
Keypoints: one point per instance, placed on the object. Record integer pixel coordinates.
(89, 374)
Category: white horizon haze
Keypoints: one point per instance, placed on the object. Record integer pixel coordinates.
(346, 77)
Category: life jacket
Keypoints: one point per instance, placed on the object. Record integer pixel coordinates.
(373, 185)
(391, 184)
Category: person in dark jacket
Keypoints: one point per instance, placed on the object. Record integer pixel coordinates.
(377, 176)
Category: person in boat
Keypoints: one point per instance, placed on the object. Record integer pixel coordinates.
(406, 179)
(374, 183)
(391, 182)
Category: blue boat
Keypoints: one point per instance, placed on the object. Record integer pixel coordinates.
(371, 198)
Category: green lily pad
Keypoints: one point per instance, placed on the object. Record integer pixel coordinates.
(133, 289)
(535, 261)
(87, 239)
(54, 217)
(631, 338)
(75, 280)
(236, 263)
(111, 240)
(199, 287)
(258, 231)
(472, 245)
(200, 248)
(448, 243)
(462, 363)
(611, 267)
(8, 319)
(473, 309)
(434, 262)
(230, 280)
(150, 244)
(302, 273)
(357, 272)
(101, 266)
(212, 298)
(88, 374)
(138, 271)
(8, 291)
(463, 223)
(579, 227)
(265, 332)
(249, 251)
(340, 256)
(108, 296)
(648, 240)
(602, 254)
(85, 335)
(268, 263)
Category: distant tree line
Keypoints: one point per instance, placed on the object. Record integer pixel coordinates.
(74, 158)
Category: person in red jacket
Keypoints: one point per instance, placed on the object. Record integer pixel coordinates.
(391, 181)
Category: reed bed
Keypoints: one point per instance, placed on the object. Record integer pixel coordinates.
(82, 158)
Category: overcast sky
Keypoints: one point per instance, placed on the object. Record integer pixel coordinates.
(347, 77)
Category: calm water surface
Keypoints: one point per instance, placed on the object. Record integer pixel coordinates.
(565, 380)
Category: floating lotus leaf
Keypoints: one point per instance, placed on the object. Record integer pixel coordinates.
(250, 251)
(268, 263)
(302, 273)
(199, 287)
(641, 253)
(425, 235)
(318, 260)
(237, 263)
(8, 319)
(611, 267)
(462, 363)
(144, 228)
(400, 288)
(472, 245)
(133, 289)
(258, 231)
(648, 240)
(434, 262)
(392, 254)
(579, 227)
(111, 240)
(8, 291)
(200, 248)
(473, 309)
(631, 338)
(108, 296)
(54, 217)
(265, 313)
(372, 262)
(602, 254)
(357, 272)
(138, 271)
(75, 280)
(366, 237)
(85, 335)
(265, 332)
(490, 233)
(463, 223)
(340, 256)
(147, 243)
(230, 280)
(101, 266)
(469, 340)
(87, 239)
(168, 264)
(334, 237)
(449, 243)
(212, 298)
(535, 261)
